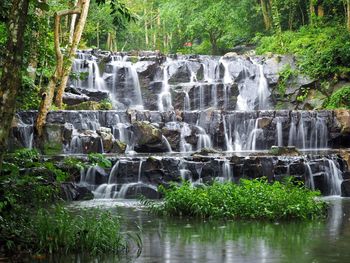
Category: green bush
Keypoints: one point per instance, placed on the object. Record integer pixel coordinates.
(322, 52)
(339, 99)
(251, 199)
(100, 160)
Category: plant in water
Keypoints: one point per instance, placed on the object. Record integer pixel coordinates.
(92, 232)
(250, 199)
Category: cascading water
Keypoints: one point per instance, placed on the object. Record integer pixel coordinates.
(186, 103)
(164, 98)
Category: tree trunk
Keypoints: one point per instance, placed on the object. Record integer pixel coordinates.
(265, 7)
(63, 66)
(10, 81)
(348, 14)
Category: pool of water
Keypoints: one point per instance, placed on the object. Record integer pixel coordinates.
(178, 240)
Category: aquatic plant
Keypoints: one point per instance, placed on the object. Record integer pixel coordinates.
(250, 199)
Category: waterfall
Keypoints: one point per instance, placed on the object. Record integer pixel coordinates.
(279, 132)
(164, 98)
(310, 179)
(263, 90)
(334, 177)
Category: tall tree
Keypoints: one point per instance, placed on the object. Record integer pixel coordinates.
(59, 79)
(10, 81)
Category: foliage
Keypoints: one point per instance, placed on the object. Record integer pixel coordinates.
(251, 199)
(105, 104)
(322, 52)
(100, 160)
(63, 231)
(285, 77)
(339, 99)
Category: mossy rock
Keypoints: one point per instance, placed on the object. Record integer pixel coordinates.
(286, 151)
(91, 105)
(205, 152)
(51, 148)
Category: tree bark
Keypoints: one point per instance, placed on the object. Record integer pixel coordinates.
(266, 11)
(63, 65)
(10, 81)
(348, 14)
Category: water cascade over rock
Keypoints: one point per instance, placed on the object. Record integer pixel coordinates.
(195, 117)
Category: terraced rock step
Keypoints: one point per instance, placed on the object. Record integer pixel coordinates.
(181, 131)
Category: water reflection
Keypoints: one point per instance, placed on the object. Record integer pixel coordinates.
(182, 240)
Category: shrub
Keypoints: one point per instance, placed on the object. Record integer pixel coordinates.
(322, 52)
(339, 99)
(252, 199)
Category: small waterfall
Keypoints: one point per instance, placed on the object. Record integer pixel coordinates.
(310, 180)
(308, 134)
(164, 98)
(187, 103)
(279, 132)
(204, 140)
(95, 81)
(227, 171)
(334, 177)
(228, 136)
(263, 90)
(131, 94)
(167, 144)
(185, 131)
(26, 133)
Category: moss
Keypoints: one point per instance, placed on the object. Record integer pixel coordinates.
(51, 148)
(92, 105)
(289, 151)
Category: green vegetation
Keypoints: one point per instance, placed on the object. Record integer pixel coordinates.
(29, 222)
(322, 52)
(93, 232)
(251, 199)
(339, 99)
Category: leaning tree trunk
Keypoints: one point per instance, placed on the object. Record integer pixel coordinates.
(10, 81)
(63, 65)
(67, 66)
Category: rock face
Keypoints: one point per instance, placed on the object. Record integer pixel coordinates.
(151, 131)
(136, 175)
(195, 82)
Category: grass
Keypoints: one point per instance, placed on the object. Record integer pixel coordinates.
(61, 231)
(251, 199)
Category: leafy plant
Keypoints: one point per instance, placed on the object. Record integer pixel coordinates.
(100, 160)
(253, 199)
(339, 99)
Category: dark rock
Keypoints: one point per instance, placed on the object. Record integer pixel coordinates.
(345, 188)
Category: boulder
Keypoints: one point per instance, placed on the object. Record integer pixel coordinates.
(73, 99)
(147, 137)
(107, 138)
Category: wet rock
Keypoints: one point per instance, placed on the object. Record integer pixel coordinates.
(88, 105)
(135, 191)
(73, 192)
(107, 138)
(289, 151)
(205, 152)
(147, 137)
(345, 188)
(73, 99)
(118, 147)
